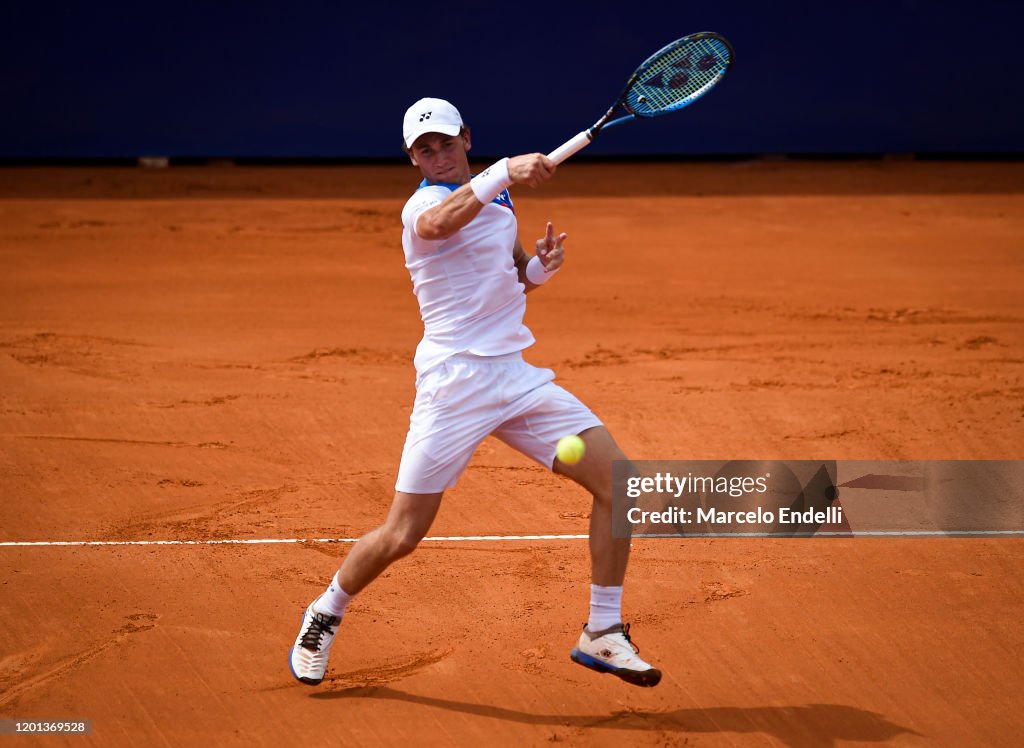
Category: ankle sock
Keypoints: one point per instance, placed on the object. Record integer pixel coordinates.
(334, 601)
(605, 607)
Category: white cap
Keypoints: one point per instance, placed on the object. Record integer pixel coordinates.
(430, 115)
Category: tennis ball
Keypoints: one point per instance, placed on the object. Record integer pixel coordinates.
(570, 449)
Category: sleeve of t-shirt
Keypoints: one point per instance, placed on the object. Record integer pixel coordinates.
(421, 201)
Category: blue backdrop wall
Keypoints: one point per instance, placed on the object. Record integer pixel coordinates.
(233, 78)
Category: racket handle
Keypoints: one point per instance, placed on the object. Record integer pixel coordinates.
(570, 147)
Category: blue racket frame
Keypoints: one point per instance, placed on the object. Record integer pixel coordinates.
(709, 70)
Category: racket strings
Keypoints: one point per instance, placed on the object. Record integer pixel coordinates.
(676, 77)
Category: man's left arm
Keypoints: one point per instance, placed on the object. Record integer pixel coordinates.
(550, 255)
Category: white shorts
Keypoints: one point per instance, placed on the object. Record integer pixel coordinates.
(466, 398)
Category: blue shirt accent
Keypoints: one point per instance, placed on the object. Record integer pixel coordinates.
(503, 197)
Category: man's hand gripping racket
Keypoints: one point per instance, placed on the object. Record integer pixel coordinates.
(670, 79)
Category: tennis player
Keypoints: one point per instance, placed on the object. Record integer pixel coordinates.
(471, 275)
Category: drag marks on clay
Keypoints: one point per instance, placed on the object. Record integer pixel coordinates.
(888, 315)
(716, 591)
(756, 384)
(574, 515)
(225, 365)
(520, 475)
(598, 357)
(361, 221)
(1008, 394)
(182, 482)
(209, 402)
(380, 675)
(682, 352)
(14, 666)
(80, 224)
(948, 357)
(324, 549)
(136, 623)
(112, 440)
(309, 577)
(367, 484)
(346, 221)
(86, 355)
(361, 355)
(927, 315)
(601, 357)
(329, 364)
(536, 565)
(228, 519)
(979, 342)
(821, 435)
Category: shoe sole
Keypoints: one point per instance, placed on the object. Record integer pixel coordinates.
(643, 678)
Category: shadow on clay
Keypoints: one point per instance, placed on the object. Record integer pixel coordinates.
(817, 725)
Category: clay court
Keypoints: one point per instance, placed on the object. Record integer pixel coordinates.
(201, 354)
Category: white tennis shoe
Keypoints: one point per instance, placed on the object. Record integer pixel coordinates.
(308, 658)
(612, 651)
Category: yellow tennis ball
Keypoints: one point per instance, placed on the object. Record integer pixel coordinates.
(570, 449)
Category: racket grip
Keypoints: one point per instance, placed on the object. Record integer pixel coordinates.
(570, 147)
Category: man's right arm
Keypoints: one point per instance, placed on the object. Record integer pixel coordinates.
(462, 206)
(452, 214)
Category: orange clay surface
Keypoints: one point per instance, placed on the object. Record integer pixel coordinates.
(204, 353)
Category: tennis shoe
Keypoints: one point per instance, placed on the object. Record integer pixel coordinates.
(612, 651)
(308, 658)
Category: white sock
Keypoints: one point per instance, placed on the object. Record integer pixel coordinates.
(334, 601)
(605, 607)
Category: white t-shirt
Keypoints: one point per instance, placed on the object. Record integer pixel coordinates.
(470, 297)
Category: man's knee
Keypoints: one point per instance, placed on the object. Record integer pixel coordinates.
(596, 474)
(401, 543)
(408, 522)
(602, 496)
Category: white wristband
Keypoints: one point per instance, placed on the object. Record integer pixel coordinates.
(535, 272)
(489, 183)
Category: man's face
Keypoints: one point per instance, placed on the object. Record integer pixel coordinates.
(442, 158)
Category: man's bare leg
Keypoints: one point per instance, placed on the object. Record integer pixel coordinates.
(605, 645)
(608, 555)
(408, 521)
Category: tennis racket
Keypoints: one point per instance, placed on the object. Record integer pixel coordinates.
(673, 77)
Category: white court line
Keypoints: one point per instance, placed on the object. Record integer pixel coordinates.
(853, 534)
(465, 538)
(266, 541)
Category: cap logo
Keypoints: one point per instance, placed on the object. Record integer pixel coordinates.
(425, 115)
